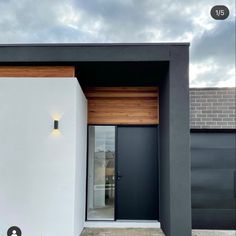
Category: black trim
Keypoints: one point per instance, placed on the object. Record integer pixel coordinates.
(213, 130)
(158, 168)
(86, 193)
(116, 161)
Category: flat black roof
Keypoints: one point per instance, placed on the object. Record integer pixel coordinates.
(92, 44)
(78, 52)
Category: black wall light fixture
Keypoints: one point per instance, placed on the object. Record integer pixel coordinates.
(56, 124)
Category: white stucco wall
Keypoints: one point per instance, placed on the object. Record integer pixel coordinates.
(81, 161)
(42, 173)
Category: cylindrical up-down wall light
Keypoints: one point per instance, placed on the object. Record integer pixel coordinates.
(56, 124)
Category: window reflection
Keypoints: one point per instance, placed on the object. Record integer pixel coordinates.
(101, 173)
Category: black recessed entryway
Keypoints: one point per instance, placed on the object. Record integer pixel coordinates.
(137, 173)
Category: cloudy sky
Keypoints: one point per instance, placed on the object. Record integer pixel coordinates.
(61, 21)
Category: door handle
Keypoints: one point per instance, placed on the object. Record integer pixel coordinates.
(119, 176)
(234, 184)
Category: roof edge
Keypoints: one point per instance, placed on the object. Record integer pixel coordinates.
(93, 44)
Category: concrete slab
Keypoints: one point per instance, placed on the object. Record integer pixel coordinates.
(149, 232)
(121, 232)
(214, 233)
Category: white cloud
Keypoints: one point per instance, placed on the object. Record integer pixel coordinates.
(229, 81)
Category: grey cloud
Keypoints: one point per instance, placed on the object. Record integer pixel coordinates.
(21, 21)
(121, 21)
(60, 33)
(138, 20)
(218, 43)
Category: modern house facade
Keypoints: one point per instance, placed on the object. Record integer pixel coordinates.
(96, 134)
(71, 117)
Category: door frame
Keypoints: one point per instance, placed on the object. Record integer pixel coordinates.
(116, 166)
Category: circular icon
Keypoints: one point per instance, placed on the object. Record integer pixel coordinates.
(14, 231)
(219, 12)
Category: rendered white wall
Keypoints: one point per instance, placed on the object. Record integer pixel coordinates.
(81, 161)
(42, 174)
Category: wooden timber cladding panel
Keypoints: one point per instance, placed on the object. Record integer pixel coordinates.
(37, 71)
(123, 105)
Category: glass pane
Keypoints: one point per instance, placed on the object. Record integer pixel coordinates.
(101, 173)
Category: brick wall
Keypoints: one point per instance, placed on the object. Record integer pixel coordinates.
(213, 108)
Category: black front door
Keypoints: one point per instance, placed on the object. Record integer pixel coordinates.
(137, 173)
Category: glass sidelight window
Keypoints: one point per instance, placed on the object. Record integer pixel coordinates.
(101, 173)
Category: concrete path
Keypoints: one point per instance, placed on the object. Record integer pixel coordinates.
(121, 232)
(214, 233)
(148, 232)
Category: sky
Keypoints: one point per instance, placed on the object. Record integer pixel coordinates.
(212, 42)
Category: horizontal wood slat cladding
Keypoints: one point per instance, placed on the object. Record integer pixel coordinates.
(123, 105)
(37, 71)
